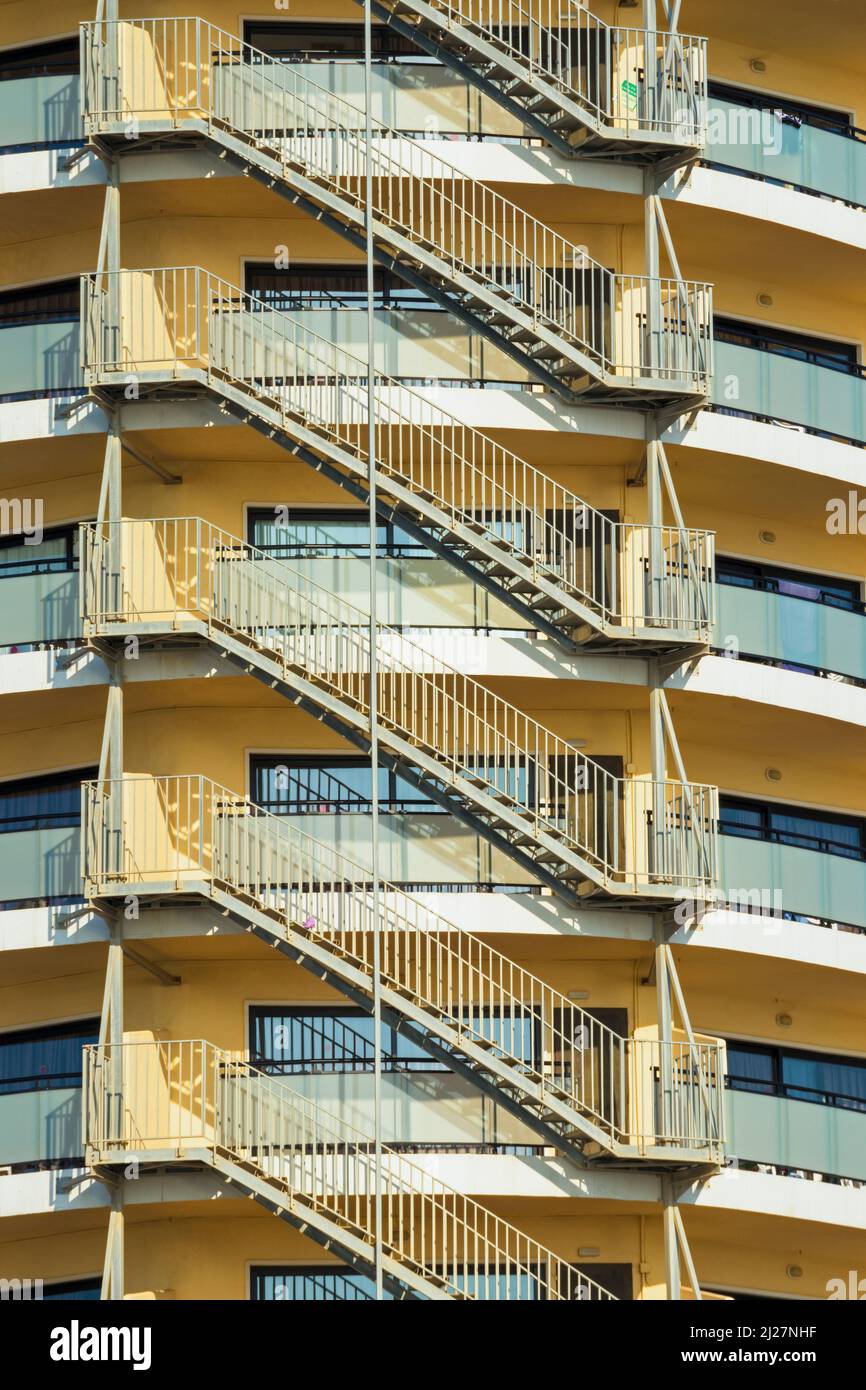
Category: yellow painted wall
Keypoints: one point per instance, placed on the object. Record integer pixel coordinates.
(193, 1252)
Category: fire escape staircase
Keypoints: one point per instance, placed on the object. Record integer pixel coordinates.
(567, 569)
(583, 86)
(571, 324)
(560, 816)
(588, 1092)
(162, 1103)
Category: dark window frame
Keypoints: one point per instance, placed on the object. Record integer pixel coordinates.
(72, 1288)
(59, 56)
(322, 288)
(43, 820)
(37, 312)
(390, 548)
(387, 45)
(392, 1062)
(835, 355)
(390, 804)
(769, 834)
(766, 578)
(54, 564)
(820, 117)
(778, 1086)
(87, 1028)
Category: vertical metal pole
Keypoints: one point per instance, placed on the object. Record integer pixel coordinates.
(374, 631)
(664, 1017)
(672, 1253)
(114, 712)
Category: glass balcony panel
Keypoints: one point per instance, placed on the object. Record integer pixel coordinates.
(787, 629)
(39, 358)
(759, 142)
(796, 1134)
(40, 111)
(776, 387)
(40, 1126)
(38, 608)
(37, 864)
(766, 877)
(417, 849)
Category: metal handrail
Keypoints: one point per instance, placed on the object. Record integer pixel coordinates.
(629, 575)
(178, 828)
(187, 1095)
(629, 329)
(470, 741)
(640, 80)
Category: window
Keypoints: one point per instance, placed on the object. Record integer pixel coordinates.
(307, 533)
(55, 301)
(334, 1282)
(801, 347)
(312, 1284)
(793, 825)
(60, 56)
(72, 1288)
(770, 579)
(56, 553)
(42, 803)
(796, 112)
(332, 287)
(44, 1059)
(773, 1071)
(316, 43)
(291, 785)
(289, 1041)
(292, 1040)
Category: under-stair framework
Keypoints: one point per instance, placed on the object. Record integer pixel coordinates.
(163, 1103)
(558, 814)
(585, 87)
(581, 329)
(562, 565)
(586, 1090)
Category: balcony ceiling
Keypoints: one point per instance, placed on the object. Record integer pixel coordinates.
(824, 31)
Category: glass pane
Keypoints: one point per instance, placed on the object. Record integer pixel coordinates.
(44, 1060)
(813, 832)
(53, 554)
(747, 821)
(72, 1289)
(749, 1070)
(833, 1082)
(40, 805)
(339, 1040)
(313, 1284)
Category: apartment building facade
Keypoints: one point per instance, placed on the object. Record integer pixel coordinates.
(509, 944)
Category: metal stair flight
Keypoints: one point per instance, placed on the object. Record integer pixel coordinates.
(164, 1103)
(583, 1088)
(584, 86)
(580, 329)
(567, 569)
(567, 820)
